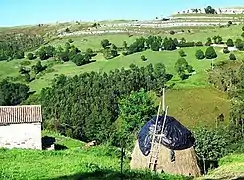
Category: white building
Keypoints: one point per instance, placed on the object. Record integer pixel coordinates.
(20, 127)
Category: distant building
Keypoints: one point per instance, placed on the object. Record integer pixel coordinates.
(20, 127)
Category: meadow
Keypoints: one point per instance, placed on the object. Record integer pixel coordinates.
(193, 101)
(75, 162)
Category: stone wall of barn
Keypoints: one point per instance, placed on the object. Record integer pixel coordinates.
(26, 135)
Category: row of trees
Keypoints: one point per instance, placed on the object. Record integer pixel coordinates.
(87, 106)
(68, 53)
(210, 53)
(13, 46)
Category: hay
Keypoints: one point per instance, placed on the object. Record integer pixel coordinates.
(185, 161)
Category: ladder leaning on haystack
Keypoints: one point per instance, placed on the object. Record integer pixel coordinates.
(153, 158)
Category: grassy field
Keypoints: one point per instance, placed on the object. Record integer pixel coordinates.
(197, 106)
(166, 57)
(231, 167)
(76, 162)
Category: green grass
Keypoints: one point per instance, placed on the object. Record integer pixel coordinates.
(201, 34)
(78, 162)
(166, 57)
(94, 42)
(230, 166)
(197, 106)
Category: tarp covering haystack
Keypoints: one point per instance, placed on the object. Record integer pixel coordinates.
(176, 154)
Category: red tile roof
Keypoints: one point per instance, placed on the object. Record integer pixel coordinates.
(20, 114)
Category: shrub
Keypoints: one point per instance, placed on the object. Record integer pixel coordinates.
(226, 50)
(210, 53)
(229, 23)
(199, 43)
(31, 56)
(199, 54)
(230, 43)
(239, 44)
(25, 63)
(182, 53)
(19, 55)
(172, 32)
(232, 56)
(70, 41)
(143, 58)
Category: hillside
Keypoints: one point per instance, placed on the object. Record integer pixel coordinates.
(230, 167)
(76, 162)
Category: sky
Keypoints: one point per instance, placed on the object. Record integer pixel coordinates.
(25, 12)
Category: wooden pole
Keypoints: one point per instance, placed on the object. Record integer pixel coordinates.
(204, 166)
(163, 99)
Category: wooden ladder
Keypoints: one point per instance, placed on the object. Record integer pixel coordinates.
(153, 158)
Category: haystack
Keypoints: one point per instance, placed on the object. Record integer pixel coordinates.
(176, 140)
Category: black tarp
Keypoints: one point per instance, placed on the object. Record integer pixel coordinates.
(175, 136)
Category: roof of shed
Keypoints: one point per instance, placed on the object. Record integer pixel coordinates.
(20, 114)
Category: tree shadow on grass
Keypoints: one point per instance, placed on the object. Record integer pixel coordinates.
(113, 175)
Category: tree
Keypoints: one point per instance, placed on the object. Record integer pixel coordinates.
(182, 53)
(242, 28)
(181, 66)
(19, 55)
(70, 41)
(239, 44)
(176, 42)
(230, 43)
(213, 144)
(105, 43)
(81, 59)
(31, 56)
(232, 56)
(229, 23)
(155, 46)
(143, 58)
(12, 94)
(38, 67)
(226, 50)
(209, 41)
(210, 53)
(199, 54)
(242, 34)
(125, 45)
(90, 52)
(135, 110)
(210, 10)
(169, 44)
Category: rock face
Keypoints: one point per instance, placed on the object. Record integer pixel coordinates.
(26, 135)
(185, 161)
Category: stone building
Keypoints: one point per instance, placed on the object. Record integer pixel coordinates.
(20, 127)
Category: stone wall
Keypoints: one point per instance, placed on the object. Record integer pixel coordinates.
(21, 136)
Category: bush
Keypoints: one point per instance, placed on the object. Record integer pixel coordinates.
(230, 43)
(31, 56)
(226, 50)
(19, 55)
(232, 56)
(143, 58)
(25, 63)
(199, 43)
(70, 41)
(182, 53)
(199, 54)
(210, 53)
(186, 44)
(172, 32)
